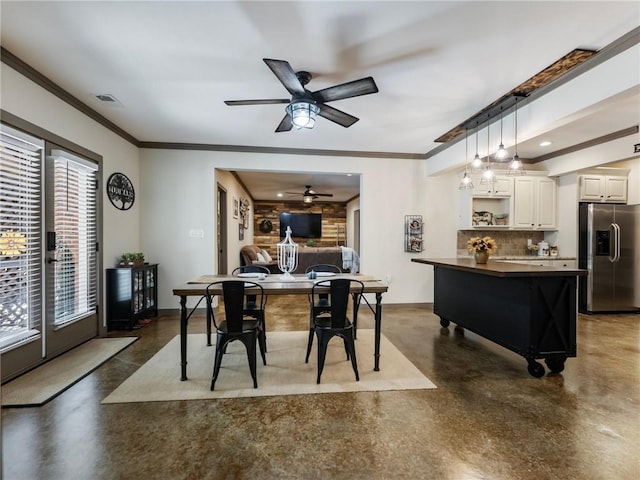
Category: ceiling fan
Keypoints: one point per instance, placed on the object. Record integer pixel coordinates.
(304, 105)
(310, 195)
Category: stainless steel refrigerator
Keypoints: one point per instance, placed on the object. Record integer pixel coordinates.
(609, 247)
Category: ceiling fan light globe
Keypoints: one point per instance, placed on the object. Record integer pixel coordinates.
(308, 199)
(303, 114)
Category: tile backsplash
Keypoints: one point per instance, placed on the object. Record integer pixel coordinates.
(511, 242)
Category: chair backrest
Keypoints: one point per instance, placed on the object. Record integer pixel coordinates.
(323, 267)
(250, 269)
(233, 295)
(339, 290)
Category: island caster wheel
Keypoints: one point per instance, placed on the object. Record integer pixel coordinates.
(535, 369)
(444, 323)
(555, 364)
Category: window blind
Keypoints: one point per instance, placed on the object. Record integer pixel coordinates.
(75, 220)
(21, 164)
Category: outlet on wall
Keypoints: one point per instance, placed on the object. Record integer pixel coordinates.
(388, 279)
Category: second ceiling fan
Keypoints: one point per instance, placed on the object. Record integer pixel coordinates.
(304, 105)
(308, 196)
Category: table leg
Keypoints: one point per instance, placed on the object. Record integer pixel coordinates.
(183, 337)
(356, 304)
(378, 321)
(208, 301)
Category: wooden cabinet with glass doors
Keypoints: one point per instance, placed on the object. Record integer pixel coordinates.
(132, 295)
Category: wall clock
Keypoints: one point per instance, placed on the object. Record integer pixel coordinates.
(120, 191)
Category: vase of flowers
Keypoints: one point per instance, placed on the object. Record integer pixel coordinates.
(481, 248)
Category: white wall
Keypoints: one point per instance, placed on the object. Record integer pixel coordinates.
(28, 101)
(179, 193)
(352, 206)
(234, 244)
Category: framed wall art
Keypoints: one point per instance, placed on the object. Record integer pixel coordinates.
(236, 207)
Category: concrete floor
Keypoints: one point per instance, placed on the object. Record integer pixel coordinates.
(488, 418)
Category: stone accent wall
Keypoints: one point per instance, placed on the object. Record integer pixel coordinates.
(334, 221)
(510, 242)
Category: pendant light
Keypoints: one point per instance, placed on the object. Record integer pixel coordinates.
(487, 174)
(516, 165)
(477, 162)
(502, 153)
(465, 182)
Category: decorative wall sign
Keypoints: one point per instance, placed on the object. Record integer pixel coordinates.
(413, 231)
(120, 191)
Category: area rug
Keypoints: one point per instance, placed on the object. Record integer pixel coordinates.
(285, 372)
(42, 384)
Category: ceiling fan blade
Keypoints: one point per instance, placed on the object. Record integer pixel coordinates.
(268, 101)
(364, 86)
(285, 124)
(336, 115)
(286, 75)
(315, 194)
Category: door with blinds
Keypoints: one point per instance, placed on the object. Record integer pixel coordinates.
(70, 256)
(48, 258)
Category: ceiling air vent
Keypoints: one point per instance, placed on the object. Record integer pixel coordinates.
(108, 99)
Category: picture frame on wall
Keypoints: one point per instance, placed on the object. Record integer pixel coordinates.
(240, 231)
(236, 207)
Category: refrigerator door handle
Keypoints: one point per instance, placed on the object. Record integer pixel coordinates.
(616, 243)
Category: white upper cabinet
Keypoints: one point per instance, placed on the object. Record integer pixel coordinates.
(535, 203)
(603, 188)
(500, 187)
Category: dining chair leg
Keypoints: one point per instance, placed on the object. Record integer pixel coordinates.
(218, 360)
(323, 342)
(309, 344)
(352, 347)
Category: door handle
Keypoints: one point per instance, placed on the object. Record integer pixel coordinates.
(615, 228)
(51, 260)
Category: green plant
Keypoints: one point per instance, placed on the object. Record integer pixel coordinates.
(138, 256)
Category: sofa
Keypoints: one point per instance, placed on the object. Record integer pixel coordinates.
(254, 255)
(307, 256)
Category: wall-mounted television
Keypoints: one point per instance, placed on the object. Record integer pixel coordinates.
(304, 225)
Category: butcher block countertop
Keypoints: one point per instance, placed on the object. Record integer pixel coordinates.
(496, 268)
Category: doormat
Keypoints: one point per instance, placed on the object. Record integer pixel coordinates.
(47, 381)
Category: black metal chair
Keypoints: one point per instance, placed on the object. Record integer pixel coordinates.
(252, 310)
(323, 298)
(331, 322)
(236, 326)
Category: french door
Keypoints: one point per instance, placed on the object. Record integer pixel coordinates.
(71, 269)
(48, 241)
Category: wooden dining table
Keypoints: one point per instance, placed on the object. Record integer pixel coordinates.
(274, 285)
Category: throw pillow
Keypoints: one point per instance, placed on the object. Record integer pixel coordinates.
(261, 258)
(266, 256)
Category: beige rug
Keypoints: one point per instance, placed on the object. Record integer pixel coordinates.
(42, 384)
(285, 372)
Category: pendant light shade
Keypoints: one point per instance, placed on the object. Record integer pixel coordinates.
(502, 153)
(487, 174)
(516, 165)
(465, 182)
(477, 162)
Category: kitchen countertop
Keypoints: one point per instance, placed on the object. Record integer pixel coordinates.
(500, 269)
(524, 257)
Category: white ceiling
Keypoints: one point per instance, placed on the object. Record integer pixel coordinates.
(172, 64)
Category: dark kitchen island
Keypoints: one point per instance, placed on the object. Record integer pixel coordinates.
(530, 310)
